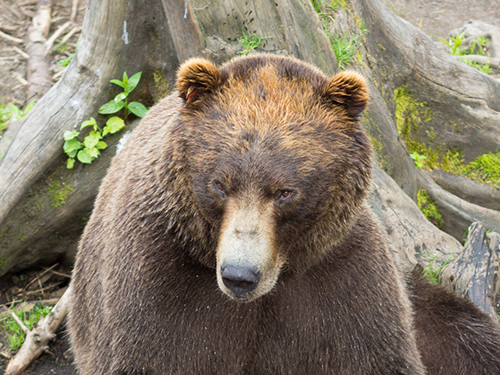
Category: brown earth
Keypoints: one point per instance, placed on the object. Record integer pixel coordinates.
(436, 18)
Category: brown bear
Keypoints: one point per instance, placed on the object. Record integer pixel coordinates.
(232, 236)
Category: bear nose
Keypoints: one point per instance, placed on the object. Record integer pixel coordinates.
(239, 279)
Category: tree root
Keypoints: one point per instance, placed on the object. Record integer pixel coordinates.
(475, 192)
(457, 213)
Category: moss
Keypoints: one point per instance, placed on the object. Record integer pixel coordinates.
(3, 260)
(484, 169)
(161, 86)
(336, 3)
(2, 234)
(410, 115)
(22, 238)
(429, 208)
(382, 48)
(59, 192)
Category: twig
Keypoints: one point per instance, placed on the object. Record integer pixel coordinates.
(22, 53)
(67, 36)
(43, 273)
(20, 322)
(57, 33)
(37, 340)
(22, 80)
(10, 38)
(59, 273)
(74, 10)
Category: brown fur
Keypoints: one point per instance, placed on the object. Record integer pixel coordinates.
(205, 181)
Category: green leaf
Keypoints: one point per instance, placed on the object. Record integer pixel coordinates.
(70, 163)
(72, 153)
(101, 145)
(120, 97)
(90, 122)
(70, 134)
(125, 79)
(72, 145)
(137, 109)
(93, 152)
(133, 82)
(111, 107)
(92, 139)
(15, 112)
(113, 125)
(29, 107)
(117, 82)
(84, 156)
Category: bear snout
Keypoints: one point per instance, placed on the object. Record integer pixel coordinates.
(240, 279)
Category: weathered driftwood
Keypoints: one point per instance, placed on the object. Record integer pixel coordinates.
(471, 273)
(37, 340)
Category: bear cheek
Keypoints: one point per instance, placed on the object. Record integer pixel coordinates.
(248, 263)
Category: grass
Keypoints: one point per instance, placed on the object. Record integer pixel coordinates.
(430, 272)
(249, 42)
(14, 332)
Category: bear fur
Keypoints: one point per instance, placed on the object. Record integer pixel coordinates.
(232, 236)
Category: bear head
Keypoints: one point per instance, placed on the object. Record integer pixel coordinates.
(278, 164)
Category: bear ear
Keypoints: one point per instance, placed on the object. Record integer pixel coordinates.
(197, 77)
(349, 90)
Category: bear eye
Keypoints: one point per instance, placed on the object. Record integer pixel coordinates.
(220, 188)
(284, 195)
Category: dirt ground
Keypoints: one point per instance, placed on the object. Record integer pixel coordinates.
(436, 18)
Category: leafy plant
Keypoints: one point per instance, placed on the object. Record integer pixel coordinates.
(417, 159)
(250, 42)
(454, 44)
(430, 272)
(14, 332)
(93, 143)
(65, 62)
(10, 112)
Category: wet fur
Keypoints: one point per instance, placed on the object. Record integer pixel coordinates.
(145, 292)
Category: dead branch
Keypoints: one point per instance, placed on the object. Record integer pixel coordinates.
(74, 10)
(39, 77)
(36, 341)
(10, 38)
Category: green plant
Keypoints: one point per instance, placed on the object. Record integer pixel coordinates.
(429, 208)
(336, 3)
(485, 68)
(430, 272)
(454, 44)
(417, 159)
(344, 49)
(93, 143)
(10, 112)
(14, 332)
(250, 42)
(65, 62)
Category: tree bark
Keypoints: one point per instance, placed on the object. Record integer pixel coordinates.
(43, 206)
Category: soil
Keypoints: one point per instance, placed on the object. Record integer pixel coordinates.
(436, 18)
